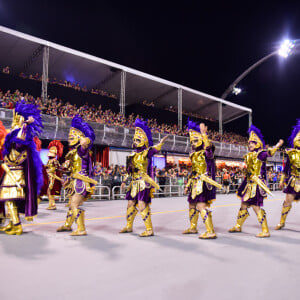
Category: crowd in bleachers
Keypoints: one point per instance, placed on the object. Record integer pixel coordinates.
(65, 83)
(58, 107)
(174, 109)
(92, 113)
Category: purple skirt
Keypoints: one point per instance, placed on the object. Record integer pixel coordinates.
(140, 196)
(290, 190)
(257, 200)
(207, 196)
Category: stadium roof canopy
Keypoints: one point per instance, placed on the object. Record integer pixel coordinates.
(24, 53)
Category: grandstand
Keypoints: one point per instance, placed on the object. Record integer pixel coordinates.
(31, 55)
(79, 78)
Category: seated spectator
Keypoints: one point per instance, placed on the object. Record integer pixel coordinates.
(6, 70)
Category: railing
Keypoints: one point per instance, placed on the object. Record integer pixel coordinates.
(166, 191)
(104, 192)
(98, 193)
(58, 128)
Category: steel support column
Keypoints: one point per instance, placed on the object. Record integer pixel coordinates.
(179, 108)
(45, 72)
(220, 118)
(123, 92)
(250, 119)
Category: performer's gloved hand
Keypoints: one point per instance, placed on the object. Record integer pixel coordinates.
(30, 120)
(279, 144)
(162, 141)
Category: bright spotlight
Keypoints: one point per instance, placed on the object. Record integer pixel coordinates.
(286, 48)
(236, 91)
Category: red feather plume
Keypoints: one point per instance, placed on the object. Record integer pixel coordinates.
(59, 146)
(38, 143)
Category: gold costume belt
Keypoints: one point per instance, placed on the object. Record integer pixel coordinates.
(294, 182)
(297, 176)
(84, 178)
(15, 167)
(209, 180)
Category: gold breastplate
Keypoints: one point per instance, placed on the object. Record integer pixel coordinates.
(51, 168)
(140, 161)
(253, 163)
(198, 162)
(75, 161)
(16, 158)
(294, 156)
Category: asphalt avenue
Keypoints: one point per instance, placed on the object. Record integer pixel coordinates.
(43, 264)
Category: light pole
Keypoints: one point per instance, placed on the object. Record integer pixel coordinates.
(284, 51)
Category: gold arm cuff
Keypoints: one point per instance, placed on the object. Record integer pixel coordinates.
(272, 151)
(158, 146)
(22, 133)
(206, 141)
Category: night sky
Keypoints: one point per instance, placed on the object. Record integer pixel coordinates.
(200, 44)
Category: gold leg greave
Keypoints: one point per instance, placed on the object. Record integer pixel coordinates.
(79, 219)
(68, 223)
(284, 212)
(14, 227)
(207, 220)
(2, 219)
(146, 216)
(241, 218)
(52, 205)
(7, 227)
(262, 219)
(194, 216)
(130, 216)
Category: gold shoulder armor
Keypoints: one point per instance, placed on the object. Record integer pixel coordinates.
(290, 151)
(70, 154)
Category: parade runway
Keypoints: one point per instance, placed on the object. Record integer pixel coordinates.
(43, 264)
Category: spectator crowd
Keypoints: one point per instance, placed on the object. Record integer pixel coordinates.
(92, 113)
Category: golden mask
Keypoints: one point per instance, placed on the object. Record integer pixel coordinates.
(297, 140)
(74, 136)
(195, 137)
(254, 138)
(52, 152)
(140, 138)
(17, 121)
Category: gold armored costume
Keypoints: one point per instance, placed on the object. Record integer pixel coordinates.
(142, 185)
(78, 166)
(201, 184)
(52, 167)
(22, 165)
(12, 186)
(291, 175)
(253, 189)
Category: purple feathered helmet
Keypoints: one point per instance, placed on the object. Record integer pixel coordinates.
(80, 129)
(294, 139)
(195, 133)
(21, 114)
(256, 137)
(142, 134)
